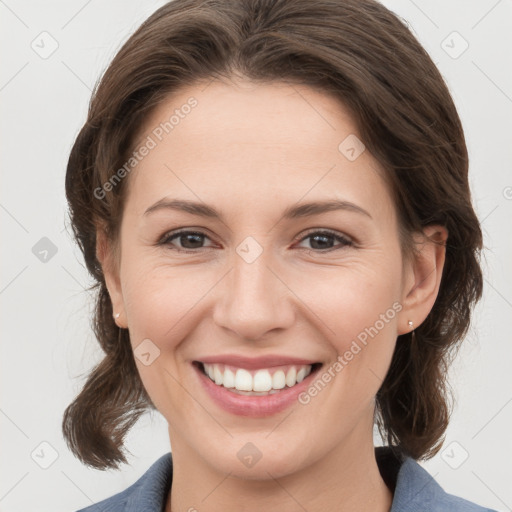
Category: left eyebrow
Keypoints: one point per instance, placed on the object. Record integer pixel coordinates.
(292, 212)
(315, 208)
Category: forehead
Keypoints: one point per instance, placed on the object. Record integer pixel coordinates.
(241, 112)
(254, 141)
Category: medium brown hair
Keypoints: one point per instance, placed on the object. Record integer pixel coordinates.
(366, 56)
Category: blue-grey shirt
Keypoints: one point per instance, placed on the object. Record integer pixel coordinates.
(414, 490)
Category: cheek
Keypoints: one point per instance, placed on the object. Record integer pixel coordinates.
(359, 310)
(353, 299)
(156, 305)
(157, 297)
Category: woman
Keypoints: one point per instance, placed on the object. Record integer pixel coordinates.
(273, 199)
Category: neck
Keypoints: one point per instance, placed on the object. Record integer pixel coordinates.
(347, 479)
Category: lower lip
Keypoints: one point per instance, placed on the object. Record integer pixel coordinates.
(255, 406)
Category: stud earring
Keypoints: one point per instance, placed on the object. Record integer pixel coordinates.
(413, 334)
(116, 315)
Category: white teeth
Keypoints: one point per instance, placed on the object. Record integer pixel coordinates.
(291, 377)
(262, 382)
(229, 379)
(217, 374)
(300, 375)
(243, 380)
(278, 380)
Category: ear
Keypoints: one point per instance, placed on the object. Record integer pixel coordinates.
(423, 277)
(108, 260)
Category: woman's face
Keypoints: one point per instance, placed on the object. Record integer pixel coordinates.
(268, 289)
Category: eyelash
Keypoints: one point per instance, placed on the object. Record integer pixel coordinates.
(345, 241)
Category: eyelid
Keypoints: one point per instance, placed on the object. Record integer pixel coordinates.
(165, 239)
(344, 241)
(325, 231)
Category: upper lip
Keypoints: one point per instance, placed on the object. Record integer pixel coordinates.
(254, 362)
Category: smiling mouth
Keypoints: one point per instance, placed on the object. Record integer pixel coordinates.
(261, 382)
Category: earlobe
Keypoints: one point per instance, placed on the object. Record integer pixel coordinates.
(425, 272)
(105, 256)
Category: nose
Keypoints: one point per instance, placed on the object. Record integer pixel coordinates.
(254, 300)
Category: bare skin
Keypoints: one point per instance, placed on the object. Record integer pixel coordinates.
(251, 151)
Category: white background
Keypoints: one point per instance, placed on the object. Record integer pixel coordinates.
(47, 344)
